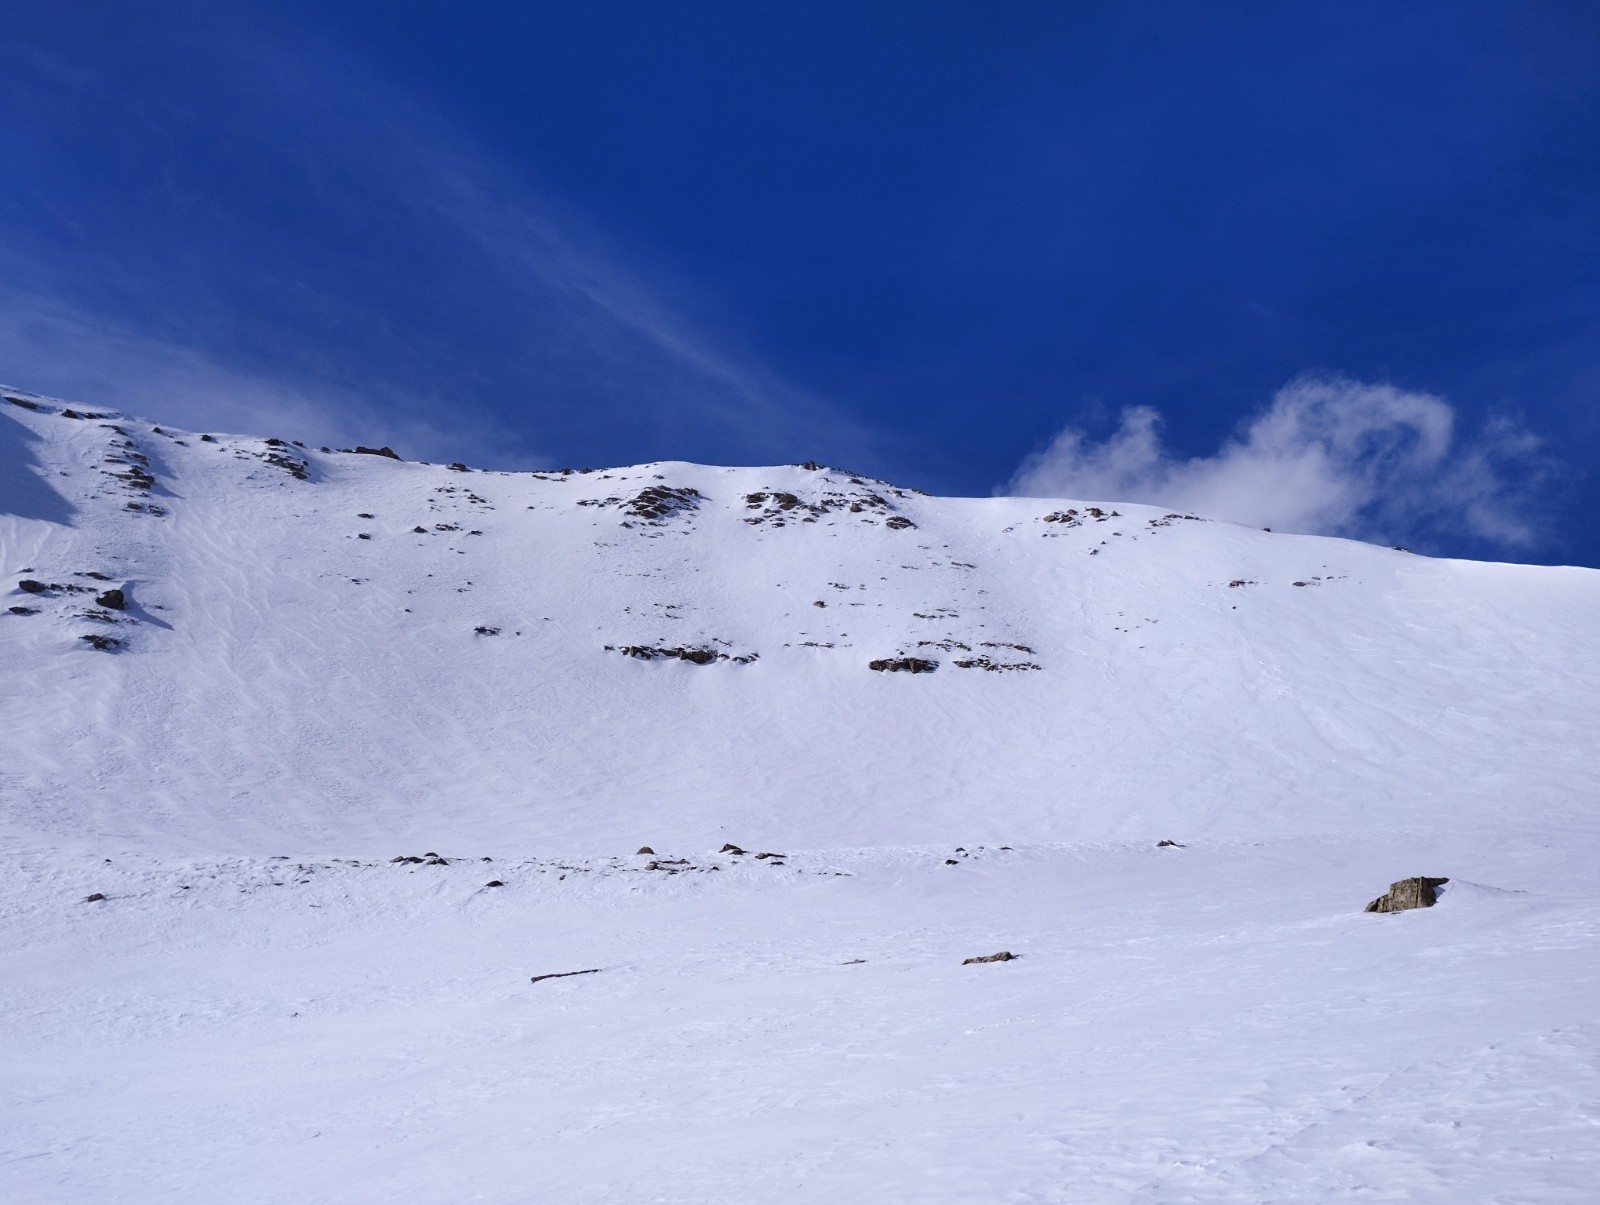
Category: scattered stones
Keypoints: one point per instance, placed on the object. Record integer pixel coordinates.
(564, 974)
(695, 656)
(1408, 893)
(898, 523)
(908, 665)
(1002, 956)
(114, 600)
(988, 663)
(106, 644)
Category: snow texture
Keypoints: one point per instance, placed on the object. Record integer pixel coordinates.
(330, 660)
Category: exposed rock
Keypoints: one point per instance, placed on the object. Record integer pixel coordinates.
(898, 522)
(28, 586)
(909, 665)
(695, 656)
(565, 974)
(730, 849)
(24, 610)
(23, 402)
(385, 451)
(112, 599)
(1408, 893)
(494, 883)
(1169, 845)
(951, 862)
(645, 849)
(90, 899)
(106, 644)
(1002, 956)
(764, 856)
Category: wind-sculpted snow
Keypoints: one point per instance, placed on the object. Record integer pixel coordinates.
(321, 773)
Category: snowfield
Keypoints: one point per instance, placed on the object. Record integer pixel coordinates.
(323, 661)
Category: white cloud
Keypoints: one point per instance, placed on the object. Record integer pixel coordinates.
(1330, 456)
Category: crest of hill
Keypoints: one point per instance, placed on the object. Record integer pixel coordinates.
(334, 649)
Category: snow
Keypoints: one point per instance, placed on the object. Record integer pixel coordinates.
(266, 1008)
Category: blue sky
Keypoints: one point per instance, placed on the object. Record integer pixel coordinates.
(1325, 267)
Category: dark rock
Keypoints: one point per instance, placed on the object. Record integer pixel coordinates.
(730, 849)
(106, 644)
(208, 439)
(23, 402)
(90, 899)
(365, 515)
(421, 531)
(28, 586)
(494, 883)
(112, 599)
(1002, 956)
(389, 452)
(909, 665)
(565, 974)
(951, 862)
(763, 857)
(898, 522)
(24, 610)
(652, 865)
(458, 467)
(1169, 845)
(645, 849)
(1408, 893)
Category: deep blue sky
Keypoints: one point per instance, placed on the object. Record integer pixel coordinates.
(915, 238)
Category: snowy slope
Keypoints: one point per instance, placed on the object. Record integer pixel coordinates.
(342, 657)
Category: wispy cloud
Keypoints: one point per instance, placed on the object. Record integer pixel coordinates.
(1330, 456)
(106, 363)
(487, 307)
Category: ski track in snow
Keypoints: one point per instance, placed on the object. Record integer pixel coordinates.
(266, 1008)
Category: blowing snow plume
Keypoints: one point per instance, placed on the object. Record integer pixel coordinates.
(1330, 456)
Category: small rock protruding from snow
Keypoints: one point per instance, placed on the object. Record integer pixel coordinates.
(1408, 893)
(645, 849)
(114, 600)
(1169, 844)
(1002, 956)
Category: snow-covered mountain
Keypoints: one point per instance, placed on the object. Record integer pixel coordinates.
(239, 675)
